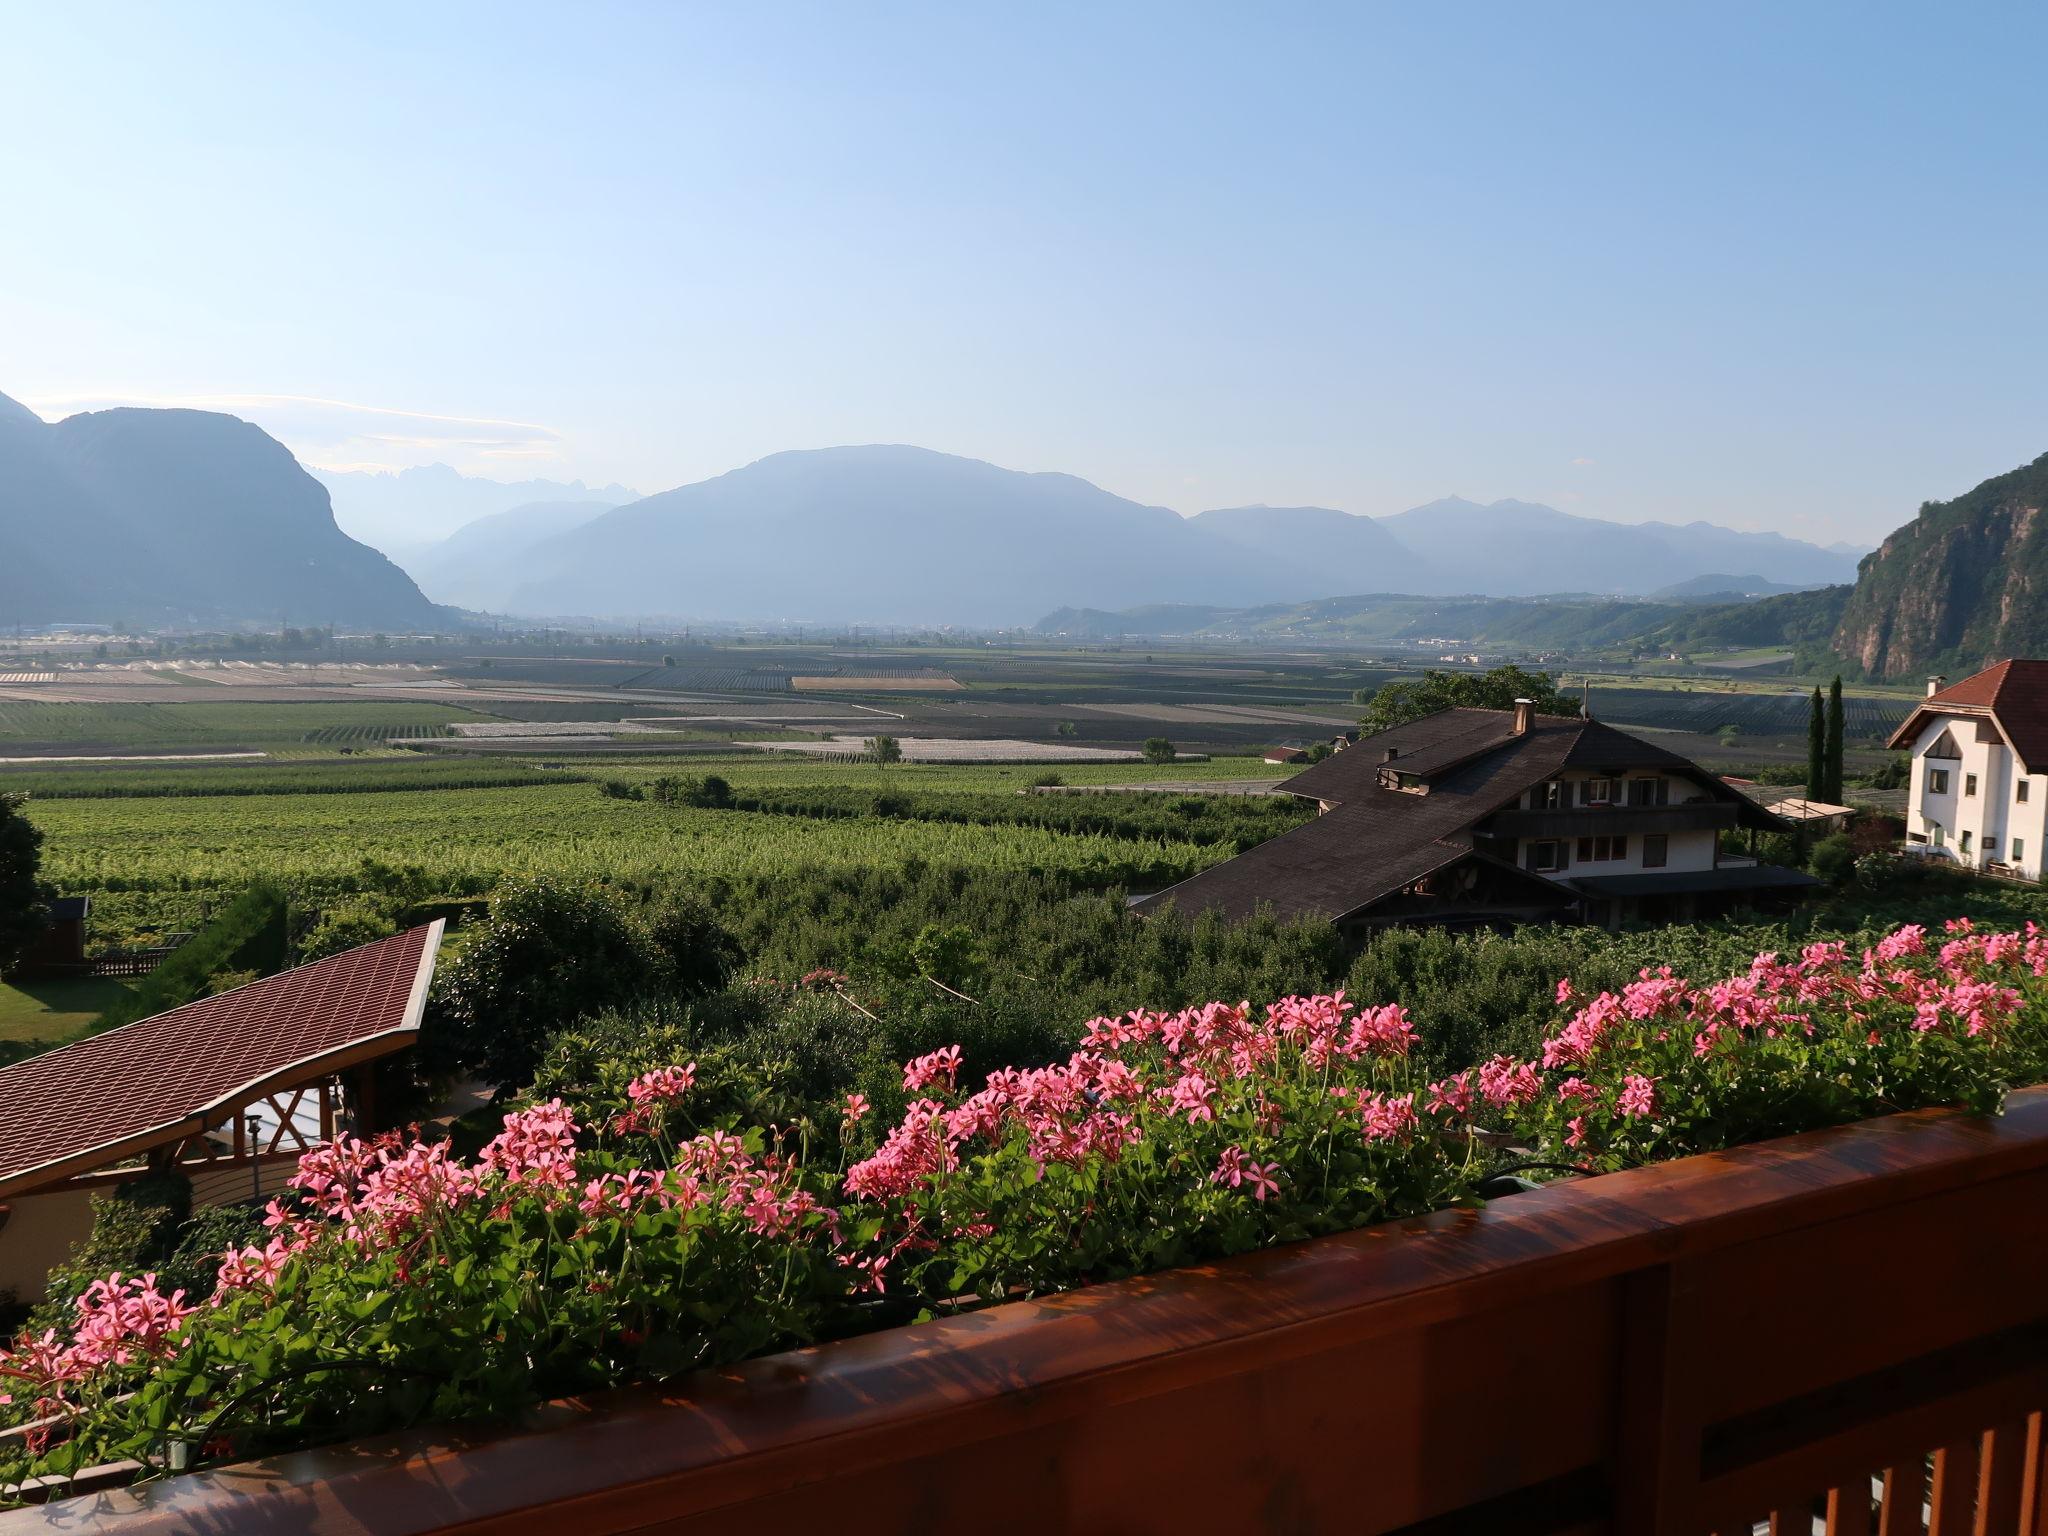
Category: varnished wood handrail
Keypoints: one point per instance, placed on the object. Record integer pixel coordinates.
(1599, 1288)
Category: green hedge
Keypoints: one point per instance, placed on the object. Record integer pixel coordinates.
(248, 935)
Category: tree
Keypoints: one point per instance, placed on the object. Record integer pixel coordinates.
(345, 927)
(22, 895)
(548, 954)
(1394, 703)
(1159, 750)
(1834, 742)
(1816, 751)
(1834, 858)
(884, 750)
(1068, 728)
(692, 952)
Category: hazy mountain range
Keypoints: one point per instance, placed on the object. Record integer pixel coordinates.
(188, 515)
(905, 535)
(401, 511)
(482, 563)
(173, 516)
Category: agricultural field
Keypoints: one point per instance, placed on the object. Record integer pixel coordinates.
(212, 722)
(355, 793)
(155, 842)
(1777, 711)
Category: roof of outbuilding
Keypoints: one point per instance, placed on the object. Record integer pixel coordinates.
(1375, 840)
(160, 1079)
(2015, 692)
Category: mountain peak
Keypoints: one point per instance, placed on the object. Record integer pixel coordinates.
(15, 411)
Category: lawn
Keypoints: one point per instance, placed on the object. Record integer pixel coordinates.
(54, 1011)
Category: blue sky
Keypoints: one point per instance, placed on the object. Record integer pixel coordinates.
(1770, 265)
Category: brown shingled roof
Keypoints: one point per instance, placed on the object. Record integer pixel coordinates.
(1376, 840)
(161, 1079)
(2014, 693)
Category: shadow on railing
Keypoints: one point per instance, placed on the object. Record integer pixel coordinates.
(1843, 1332)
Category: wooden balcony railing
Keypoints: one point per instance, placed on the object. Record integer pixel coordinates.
(1843, 1332)
(1594, 820)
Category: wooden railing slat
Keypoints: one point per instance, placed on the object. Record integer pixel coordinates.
(1849, 1509)
(1905, 1490)
(1955, 1489)
(2034, 1486)
(2001, 1477)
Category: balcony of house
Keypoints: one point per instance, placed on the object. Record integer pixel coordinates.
(1843, 1331)
(1988, 865)
(1598, 820)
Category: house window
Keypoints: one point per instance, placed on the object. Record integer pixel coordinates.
(1938, 833)
(1963, 843)
(2019, 849)
(1937, 781)
(1556, 795)
(1647, 792)
(1969, 785)
(1655, 847)
(1597, 792)
(1602, 850)
(2022, 789)
(1546, 858)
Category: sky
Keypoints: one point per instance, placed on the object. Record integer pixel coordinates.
(1770, 266)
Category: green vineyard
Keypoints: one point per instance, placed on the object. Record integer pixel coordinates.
(1751, 714)
(332, 735)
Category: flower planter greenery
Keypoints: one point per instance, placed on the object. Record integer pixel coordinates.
(645, 1237)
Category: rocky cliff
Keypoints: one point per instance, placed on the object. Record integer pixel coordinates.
(179, 517)
(1964, 584)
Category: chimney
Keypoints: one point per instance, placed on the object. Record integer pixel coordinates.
(1934, 685)
(1525, 714)
(1392, 753)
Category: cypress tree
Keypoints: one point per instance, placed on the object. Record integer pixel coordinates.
(1816, 751)
(1835, 723)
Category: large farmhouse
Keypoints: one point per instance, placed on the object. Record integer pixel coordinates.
(1493, 816)
(1979, 790)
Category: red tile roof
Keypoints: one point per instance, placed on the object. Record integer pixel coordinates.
(2014, 692)
(156, 1081)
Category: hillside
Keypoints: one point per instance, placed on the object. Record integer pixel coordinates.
(1324, 551)
(1524, 549)
(1544, 624)
(480, 564)
(1718, 586)
(1963, 584)
(403, 511)
(885, 534)
(174, 516)
(894, 534)
(1802, 621)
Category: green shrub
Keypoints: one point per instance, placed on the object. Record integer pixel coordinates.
(248, 936)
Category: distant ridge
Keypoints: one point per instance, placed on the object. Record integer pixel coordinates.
(404, 510)
(175, 516)
(898, 534)
(479, 565)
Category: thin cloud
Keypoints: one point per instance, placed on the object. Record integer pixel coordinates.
(335, 434)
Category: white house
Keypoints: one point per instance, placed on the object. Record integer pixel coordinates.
(1979, 791)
